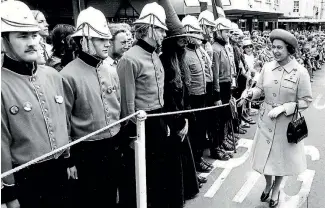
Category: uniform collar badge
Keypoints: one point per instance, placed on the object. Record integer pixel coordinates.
(14, 110)
(27, 106)
(58, 99)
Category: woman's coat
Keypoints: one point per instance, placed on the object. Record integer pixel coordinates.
(282, 85)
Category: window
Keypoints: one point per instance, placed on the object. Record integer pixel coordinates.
(296, 6)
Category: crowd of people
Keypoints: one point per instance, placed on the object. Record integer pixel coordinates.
(61, 85)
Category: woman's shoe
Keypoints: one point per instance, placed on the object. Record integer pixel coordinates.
(275, 203)
(265, 196)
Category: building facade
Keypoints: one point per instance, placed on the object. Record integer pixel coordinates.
(254, 14)
(302, 14)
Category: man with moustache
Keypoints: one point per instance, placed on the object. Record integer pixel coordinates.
(33, 117)
(93, 102)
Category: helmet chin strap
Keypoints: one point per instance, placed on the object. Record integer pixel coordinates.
(9, 50)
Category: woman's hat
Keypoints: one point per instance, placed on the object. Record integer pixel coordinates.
(285, 36)
(247, 42)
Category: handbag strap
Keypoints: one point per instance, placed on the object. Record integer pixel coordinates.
(295, 113)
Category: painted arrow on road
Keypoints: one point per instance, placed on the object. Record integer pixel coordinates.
(285, 200)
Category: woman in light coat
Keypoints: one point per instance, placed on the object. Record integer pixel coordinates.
(285, 83)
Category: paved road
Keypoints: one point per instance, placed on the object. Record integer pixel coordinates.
(235, 185)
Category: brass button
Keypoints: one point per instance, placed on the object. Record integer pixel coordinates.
(270, 130)
(274, 94)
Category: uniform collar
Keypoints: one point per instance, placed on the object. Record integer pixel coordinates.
(89, 59)
(22, 68)
(292, 65)
(221, 42)
(145, 46)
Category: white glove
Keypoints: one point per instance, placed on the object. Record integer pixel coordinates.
(275, 112)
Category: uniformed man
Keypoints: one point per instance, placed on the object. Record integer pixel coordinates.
(142, 75)
(222, 77)
(93, 102)
(33, 116)
(199, 73)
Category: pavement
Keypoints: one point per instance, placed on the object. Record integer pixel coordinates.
(233, 183)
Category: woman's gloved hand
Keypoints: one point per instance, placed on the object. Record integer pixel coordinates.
(275, 112)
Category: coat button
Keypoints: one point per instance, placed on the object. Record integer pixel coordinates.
(270, 130)
(274, 94)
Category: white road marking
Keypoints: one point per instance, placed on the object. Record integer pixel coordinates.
(228, 166)
(247, 187)
(217, 184)
(233, 162)
(313, 152)
(297, 200)
(317, 100)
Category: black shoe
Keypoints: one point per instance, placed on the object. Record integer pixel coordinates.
(275, 203)
(207, 163)
(219, 154)
(202, 167)
(265, 196)
(200, 185)
(202, 180)
(227, 146)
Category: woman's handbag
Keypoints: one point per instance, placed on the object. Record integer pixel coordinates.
(297, 128)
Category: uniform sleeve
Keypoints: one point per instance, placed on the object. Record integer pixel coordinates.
(304, 94)
(8, 190)
(258, 89)
(69, 97)
(215, 71)
(127, 72)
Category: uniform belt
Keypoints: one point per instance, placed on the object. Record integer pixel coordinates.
(273, 104)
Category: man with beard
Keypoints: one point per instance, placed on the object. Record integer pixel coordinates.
(93, 102)
(183, 175)
(221, 68)
(196, 87)
(33, 117)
